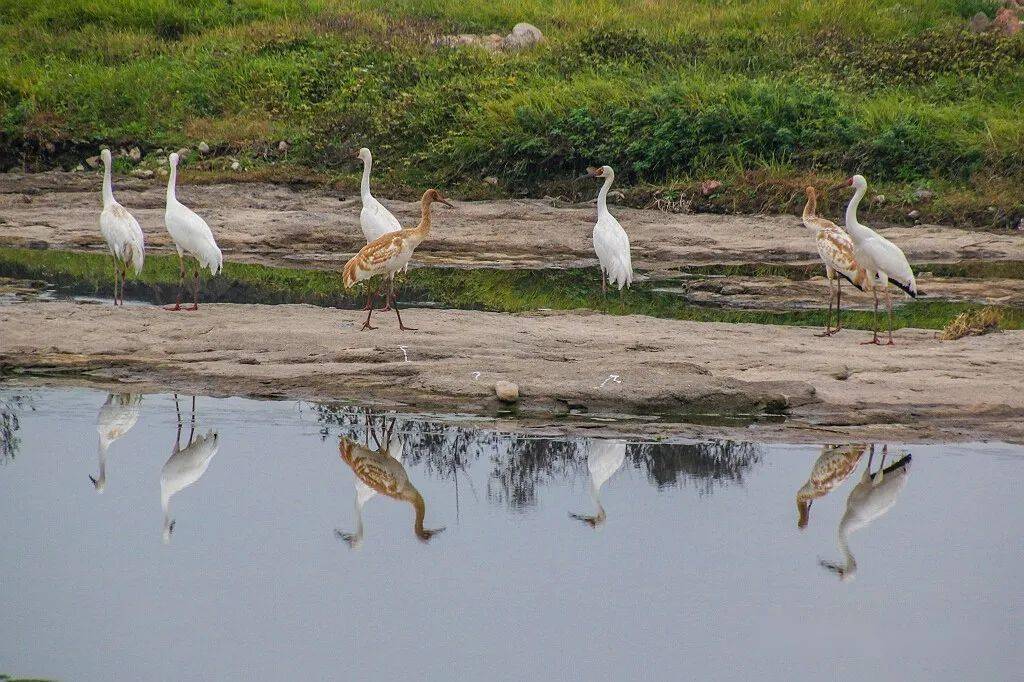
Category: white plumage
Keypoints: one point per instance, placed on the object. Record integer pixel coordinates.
(184, 467)
(117, 416)
(871, 498)
(603, 460)
(611, 243)
(190, 233)
(883, 261)
(121, 231)
(375, 220)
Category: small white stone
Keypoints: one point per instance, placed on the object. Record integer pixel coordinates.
(236, 166)
(915, 214)
(506, 391)
(204, 148)
(79, 168)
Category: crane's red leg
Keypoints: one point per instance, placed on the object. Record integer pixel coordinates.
(389, 297)
(839, 305)
(828, 319)
(369, 302)
(195, 289)
(874, 338)
(400, 325)
(888, 302)
(181, 283)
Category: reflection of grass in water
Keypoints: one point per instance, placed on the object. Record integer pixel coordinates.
(481, 289)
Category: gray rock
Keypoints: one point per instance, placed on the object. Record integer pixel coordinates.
(924, 194)
(915, 214)
(283, 146)
(236, 166)
(93, 162)
(135, 154)
(203, 148)
(523, 36)
(491, 180)
(184, 152)
(506, 391)
(142, 173)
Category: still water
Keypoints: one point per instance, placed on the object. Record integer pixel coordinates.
(284, 540)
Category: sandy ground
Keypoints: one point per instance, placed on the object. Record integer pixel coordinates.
(275, 224)
(831, 389)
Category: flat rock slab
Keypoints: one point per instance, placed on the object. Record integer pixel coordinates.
(830, 388)
(281, 225)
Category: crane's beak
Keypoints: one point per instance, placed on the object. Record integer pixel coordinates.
(446, 203)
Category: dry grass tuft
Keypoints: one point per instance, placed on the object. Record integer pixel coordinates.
(972, 323)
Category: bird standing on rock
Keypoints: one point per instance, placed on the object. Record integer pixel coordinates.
(882, 260)
(375, 220)
(122, 233)
(191, 235)
(610, 241)
(836, 251)
(388, 254)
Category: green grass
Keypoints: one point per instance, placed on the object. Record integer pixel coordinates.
(764, 95)
(510, 291)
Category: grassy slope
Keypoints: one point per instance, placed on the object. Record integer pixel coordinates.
(764, 95)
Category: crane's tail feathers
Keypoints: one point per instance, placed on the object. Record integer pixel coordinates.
(138, 256)
(857, 281)
(901, 463)
(912, 292)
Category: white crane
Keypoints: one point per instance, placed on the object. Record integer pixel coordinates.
(375, 220)
(835, 248)
(185, 466)
(882, 260)
(871, 498)
(116, 418)
(610, 241)
(603, 460)
(122, 233)
(191, 235)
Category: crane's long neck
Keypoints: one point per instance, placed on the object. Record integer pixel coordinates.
(101, 479)
(853, 227)
(423, 229)
(165, 501)
(421, 513)
(108, 189)
(811, 207)
(172, 180)
(602, 196)
(364, 186)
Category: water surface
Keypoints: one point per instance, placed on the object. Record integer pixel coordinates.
(685, 562)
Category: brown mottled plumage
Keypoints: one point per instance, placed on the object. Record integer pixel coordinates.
(836, 251)
(833, 466)
(390, 253)
(385, 474)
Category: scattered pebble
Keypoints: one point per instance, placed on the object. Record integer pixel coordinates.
(879, 199)
(142, 173)
(79, 168)
(506, 391)
(203, 148)
(491, 180)
(184, 152)
(135, 154)
(841, 373)
(236, 166)
(915, 214)
(283, 146)
(93, 162)
(924, 195)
